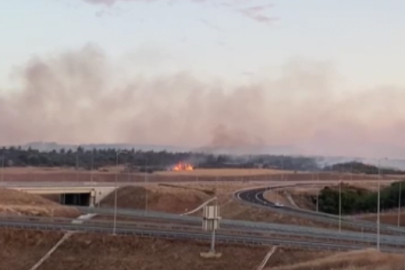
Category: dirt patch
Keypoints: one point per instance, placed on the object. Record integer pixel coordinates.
(355, 260)
(21, 249)
(98, 252)
(21, 203)
(208, 191)
(237, 211)
(158, 198)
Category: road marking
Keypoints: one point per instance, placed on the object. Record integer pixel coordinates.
(199, 207)
(291, 200)
(79, 220)
(266, 258)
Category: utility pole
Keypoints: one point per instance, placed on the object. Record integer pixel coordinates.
(2, 168)
(146, 189)
(317, 197)
(77, 164)
(115, 192)
(91, 165)
(351, 172)
(340, 205)
(378, 207)
(399, 203)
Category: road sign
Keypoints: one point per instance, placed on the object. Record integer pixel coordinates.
(210, 222)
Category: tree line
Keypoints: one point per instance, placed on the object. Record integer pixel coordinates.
(355, 200)
(359, 167)
(149, 160)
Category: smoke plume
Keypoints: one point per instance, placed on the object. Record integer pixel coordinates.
(75, 98)
(245, 7)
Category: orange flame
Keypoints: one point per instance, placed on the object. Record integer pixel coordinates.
(182, 166)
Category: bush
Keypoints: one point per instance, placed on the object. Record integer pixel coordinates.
(360, 201)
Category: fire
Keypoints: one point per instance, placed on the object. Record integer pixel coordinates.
(182, 166)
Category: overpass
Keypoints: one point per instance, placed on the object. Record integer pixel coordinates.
(71, 195)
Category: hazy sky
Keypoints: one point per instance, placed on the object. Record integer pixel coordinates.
(341, 55)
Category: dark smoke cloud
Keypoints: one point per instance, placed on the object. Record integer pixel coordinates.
(76, 98)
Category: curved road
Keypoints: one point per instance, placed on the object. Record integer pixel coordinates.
(255, 197)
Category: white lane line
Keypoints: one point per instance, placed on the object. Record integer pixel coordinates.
(52, 250)
(266, 258)
(199, 207)
(79, 220)
(291, 200)
(260, 200)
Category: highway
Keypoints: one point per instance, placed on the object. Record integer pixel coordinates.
(194, 233)
(255, 227)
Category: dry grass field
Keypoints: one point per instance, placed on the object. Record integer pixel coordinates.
(21, 203)
(354, 260)
(225, 172)
(20, 250)
(108, 174)
(157, 198)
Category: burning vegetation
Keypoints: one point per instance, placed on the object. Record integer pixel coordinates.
(182, 166)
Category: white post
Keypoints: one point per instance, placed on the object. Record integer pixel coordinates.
(399, 203)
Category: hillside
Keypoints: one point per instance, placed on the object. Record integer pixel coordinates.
(21, 203)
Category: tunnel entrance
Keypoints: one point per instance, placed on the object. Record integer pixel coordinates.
(80, 199)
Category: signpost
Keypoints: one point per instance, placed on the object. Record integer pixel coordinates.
(210, 222)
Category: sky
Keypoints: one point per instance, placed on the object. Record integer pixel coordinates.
(325, 76)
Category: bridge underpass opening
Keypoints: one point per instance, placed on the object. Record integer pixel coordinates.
(79, 199)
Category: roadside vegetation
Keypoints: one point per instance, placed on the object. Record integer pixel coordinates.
(358, 167)
(356, 200)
